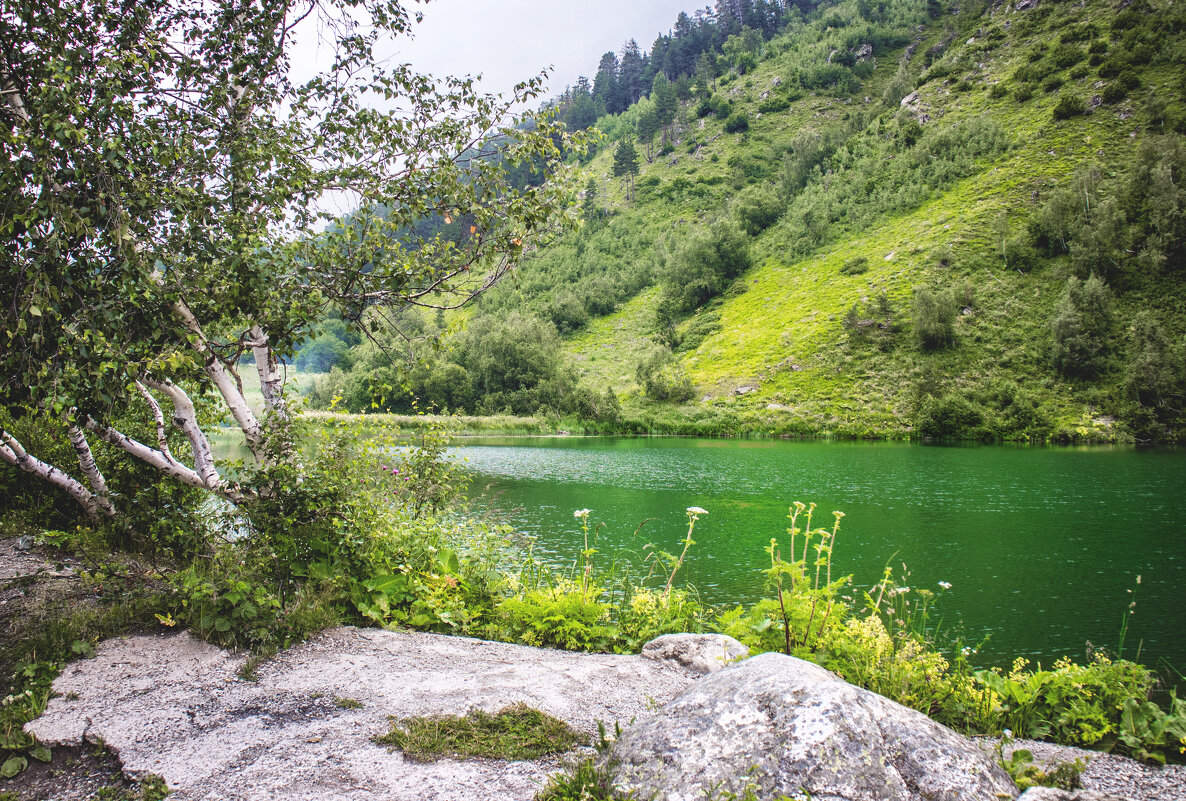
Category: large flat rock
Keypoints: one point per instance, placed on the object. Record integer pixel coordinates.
(172, 705)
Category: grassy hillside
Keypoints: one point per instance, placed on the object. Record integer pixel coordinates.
(884, 221)
(780, 326)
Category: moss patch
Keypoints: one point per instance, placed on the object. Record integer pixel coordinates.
(516, 733)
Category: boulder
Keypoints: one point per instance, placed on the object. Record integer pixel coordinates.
(780, 726)
(699, 653)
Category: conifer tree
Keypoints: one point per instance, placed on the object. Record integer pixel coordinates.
(626, 165)
(630, 72)
(666, 104)
(648, 126)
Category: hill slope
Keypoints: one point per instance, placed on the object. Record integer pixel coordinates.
(888, 220)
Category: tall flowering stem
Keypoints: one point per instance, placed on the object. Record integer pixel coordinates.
(587, 553)
(694, 513)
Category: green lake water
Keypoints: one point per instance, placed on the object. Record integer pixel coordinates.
(1041, 545)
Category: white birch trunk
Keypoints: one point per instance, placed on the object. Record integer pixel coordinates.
(86, 462)
(224, 382)
(162, 436)
(12, 452)
(163, 463)
(271, 379)
(185, 417)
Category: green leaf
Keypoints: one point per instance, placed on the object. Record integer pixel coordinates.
(387, 584)
(41, 753)
(13, 766)
(449, 562)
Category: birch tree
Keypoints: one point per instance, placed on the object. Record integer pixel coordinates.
(165, 214)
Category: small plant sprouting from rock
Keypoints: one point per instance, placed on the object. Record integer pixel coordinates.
(516, 733)
(347, 703)
(1020, 765)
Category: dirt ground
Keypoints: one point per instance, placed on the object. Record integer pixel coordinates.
(36, 581)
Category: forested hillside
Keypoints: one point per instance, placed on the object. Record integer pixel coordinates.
(897, 218)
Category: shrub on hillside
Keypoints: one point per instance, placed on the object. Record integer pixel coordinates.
(855, 266)
(662, 379)
(737, 123)
(1155, 371)
(703, 265)
(1069, 106)
(756, 209)
(1082, 327)
(934, 317)
(948, 416)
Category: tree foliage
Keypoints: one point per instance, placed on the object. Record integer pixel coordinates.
(702, 265)
(626, 164)
(164, 212)
(934, 317)
(1082, 327)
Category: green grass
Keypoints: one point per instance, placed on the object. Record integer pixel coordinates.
(516, 733)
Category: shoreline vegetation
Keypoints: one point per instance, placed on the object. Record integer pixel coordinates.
(715, 425)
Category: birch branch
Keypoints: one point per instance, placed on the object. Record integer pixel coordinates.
(162, 439)
(156, 459)
(12, 452)
(86, 462)
(221, 377)
(271, 380)
(185, 417)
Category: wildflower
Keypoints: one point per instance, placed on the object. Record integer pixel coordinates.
(582, 514)
(696, 510)
(945, 585)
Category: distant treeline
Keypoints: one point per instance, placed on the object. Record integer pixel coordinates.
(699, 48)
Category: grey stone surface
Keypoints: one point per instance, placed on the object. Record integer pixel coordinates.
(788, 727)
(172, 705)
(699, 653)
(1050, 794)
(1110, 775)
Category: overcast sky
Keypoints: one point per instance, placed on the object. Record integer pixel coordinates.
(509, 41)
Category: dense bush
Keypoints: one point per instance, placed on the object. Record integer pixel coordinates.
(703, 265)
(662, 378)
(756, 209)
(1082, 328)
(855, 266)
(737, 123)
(934, 317)
(948, 416)
(1069, 106)
(1155, 373)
